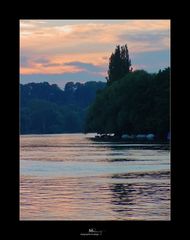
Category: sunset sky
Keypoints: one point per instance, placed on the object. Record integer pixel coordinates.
(58, 51)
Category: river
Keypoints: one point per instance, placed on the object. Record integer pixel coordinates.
(72, 177)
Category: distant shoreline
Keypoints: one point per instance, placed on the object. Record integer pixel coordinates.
(135, 141)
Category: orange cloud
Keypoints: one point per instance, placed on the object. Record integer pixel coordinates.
(57, 64)
(40, 68)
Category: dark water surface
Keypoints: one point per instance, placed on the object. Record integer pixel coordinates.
(71, 177)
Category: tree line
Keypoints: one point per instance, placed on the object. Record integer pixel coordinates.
(131, 102)
(46, 108)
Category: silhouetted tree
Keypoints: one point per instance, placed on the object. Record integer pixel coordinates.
(119, 64)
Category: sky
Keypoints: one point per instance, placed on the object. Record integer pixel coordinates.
(60, 51)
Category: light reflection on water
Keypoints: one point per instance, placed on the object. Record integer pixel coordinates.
(70, 177)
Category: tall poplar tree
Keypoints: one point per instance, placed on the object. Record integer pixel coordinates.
(119, 64)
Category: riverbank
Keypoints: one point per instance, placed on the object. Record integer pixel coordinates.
(135, 140)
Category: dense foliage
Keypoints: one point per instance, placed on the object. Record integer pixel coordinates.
(45, 108)
(135, 104)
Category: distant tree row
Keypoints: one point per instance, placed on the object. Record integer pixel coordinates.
(45, 108)
(79, 94)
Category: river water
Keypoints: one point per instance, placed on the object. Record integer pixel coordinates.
(72, 177)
